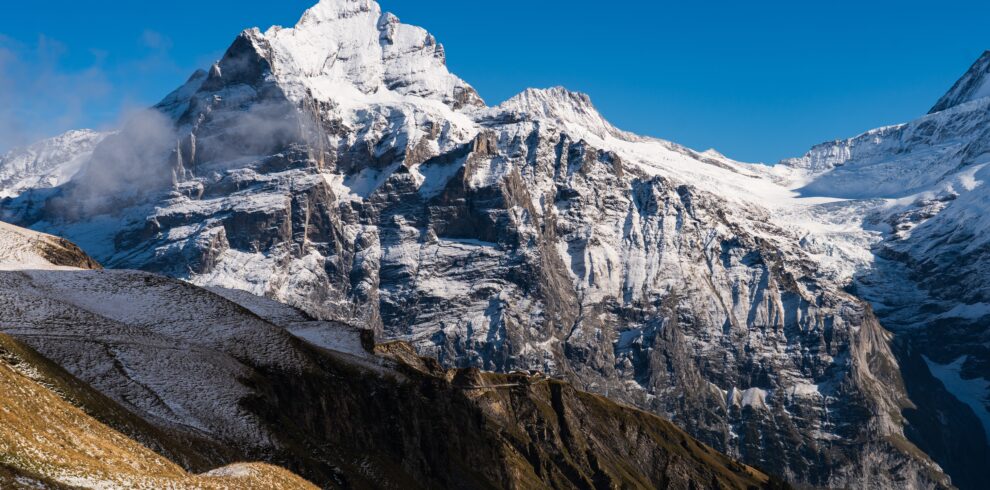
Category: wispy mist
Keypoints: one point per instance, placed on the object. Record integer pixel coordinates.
(39, 97)
(136, 160)
(47, 87)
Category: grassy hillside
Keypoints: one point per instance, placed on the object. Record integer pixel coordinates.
(47, 441)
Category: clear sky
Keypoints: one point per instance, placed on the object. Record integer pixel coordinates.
(757, 80)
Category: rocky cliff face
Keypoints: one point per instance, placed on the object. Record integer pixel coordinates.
(338, 166)
(208, 381)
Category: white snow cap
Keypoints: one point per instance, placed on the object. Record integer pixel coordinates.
(973, 85)
(567, 108)
(342, 45)
(331, 10)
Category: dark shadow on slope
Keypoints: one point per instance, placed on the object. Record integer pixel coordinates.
(945, 428)
(939, 424)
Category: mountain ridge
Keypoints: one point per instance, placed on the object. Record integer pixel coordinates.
(534, 235)
(48, 163)
(973, 85)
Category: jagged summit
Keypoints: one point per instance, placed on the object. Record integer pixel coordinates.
(975, 84)
(341, 45)
(565, 107)
(346, 51)
(331, 10)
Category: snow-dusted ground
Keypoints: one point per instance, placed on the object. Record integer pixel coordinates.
(177, 355)
(333, 336)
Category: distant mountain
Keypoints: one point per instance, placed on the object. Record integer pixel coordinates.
(208, 381)
(915, 196)
(339, 167)
(46, 164)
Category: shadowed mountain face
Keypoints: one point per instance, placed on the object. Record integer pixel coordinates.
(118, 358)
(339, 167)
(918, 191)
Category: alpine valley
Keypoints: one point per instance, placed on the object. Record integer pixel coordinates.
(328, 253)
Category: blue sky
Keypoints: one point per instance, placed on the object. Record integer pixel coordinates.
(758, 80)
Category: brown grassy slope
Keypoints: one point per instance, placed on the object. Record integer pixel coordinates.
(16, 479)
(189, 451)
(64, 253)
(45, 439)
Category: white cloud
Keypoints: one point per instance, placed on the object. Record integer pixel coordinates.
(38, 96)
(42, 94)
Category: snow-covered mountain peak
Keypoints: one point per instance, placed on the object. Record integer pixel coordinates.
(332, 10)
(351, 48)
(572, 110)
(973, 85)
